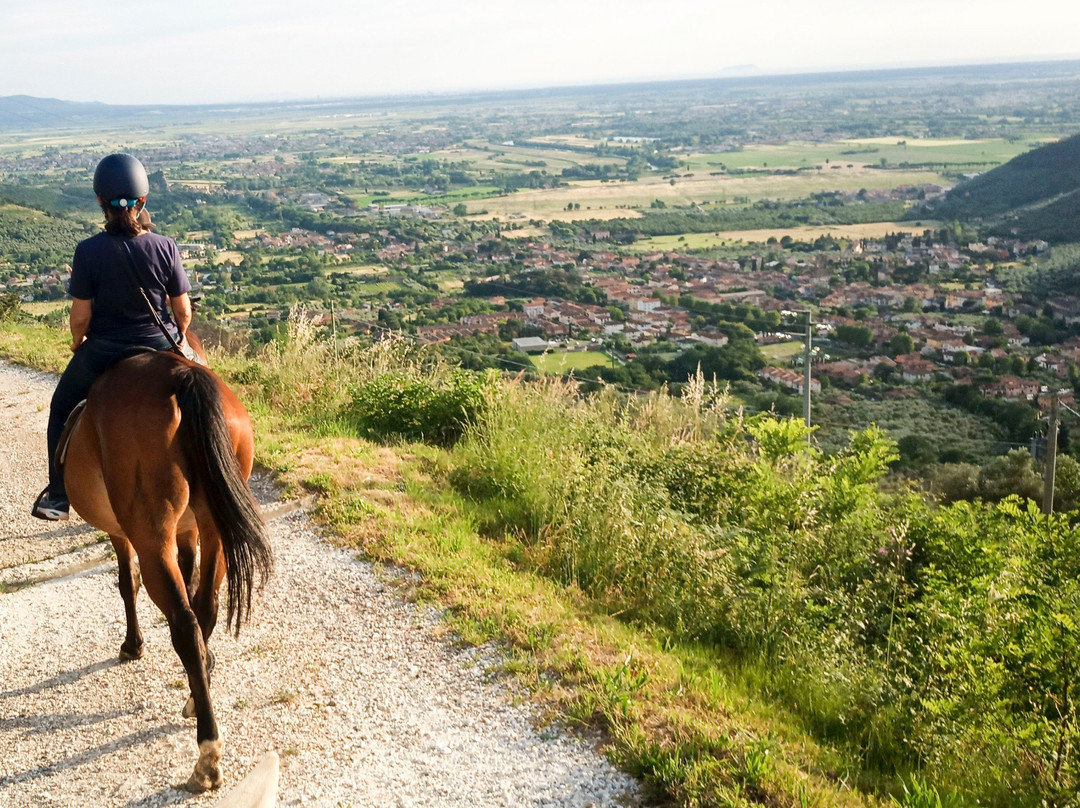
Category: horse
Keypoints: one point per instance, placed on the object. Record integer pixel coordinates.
(159, 460)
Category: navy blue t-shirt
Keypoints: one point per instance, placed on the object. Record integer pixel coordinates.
(119, 311)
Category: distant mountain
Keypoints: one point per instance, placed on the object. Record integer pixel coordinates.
(26, 111)
(1036, 195)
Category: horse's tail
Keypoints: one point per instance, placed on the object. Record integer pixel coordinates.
(215, 475)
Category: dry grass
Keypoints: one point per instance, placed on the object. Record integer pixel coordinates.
(702, 241)
(608, 200)
(232, 256)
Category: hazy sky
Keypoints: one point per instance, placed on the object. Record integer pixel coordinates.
(192, 51)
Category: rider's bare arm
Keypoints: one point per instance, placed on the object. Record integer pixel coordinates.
(181, 311)
(80, 320)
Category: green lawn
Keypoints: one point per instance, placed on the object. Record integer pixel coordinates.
(781, 350)
(403, 196)
(563, 361)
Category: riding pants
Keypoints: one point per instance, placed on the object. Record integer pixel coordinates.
(93, 358)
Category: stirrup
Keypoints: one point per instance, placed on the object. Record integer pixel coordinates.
(50, 509)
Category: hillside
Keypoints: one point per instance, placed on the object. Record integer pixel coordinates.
(751, 621)
(1037, 194)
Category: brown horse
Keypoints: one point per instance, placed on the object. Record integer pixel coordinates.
(160, 462)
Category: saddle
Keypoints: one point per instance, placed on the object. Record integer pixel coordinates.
(65, 436)
(76, 414)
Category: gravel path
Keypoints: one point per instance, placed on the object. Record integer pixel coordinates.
(348, 683)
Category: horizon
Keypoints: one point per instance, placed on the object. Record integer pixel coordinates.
(733, 73)
(212, 53)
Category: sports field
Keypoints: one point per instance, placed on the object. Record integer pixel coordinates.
(781, 350)
(559, 362)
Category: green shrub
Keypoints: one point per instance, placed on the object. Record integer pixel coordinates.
(420, 408)
(9, 306)
(939, 641)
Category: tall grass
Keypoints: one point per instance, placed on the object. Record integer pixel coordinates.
(940, 644)
(937, 641)
(828, 595)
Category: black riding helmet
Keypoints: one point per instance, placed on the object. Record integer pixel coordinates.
(120, 180)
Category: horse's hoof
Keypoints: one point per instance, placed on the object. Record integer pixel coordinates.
(200, 781)
(189, 707)
(207, 772)
(128, 654)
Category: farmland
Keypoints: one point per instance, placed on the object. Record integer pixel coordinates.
(607, 200)
(705, 241)
(895, 151)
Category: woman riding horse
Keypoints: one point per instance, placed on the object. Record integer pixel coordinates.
(109, 316)
(160, 457)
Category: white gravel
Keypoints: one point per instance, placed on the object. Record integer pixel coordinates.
(346, 681)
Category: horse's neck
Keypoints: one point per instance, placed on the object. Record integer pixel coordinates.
(196, 345)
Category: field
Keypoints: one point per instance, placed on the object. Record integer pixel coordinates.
(378, 288)
(369, 270)
(44, 306)
(491, 157)
(705, 241)
(608, 200)
(781, 350)
(401, 196)
(894, 151)
(229, 256)
(563, 361)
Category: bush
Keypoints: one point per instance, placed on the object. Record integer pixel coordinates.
(420, 408)
(9, 306)
(920, 639)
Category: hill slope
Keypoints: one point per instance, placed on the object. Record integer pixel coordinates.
(1036, 194)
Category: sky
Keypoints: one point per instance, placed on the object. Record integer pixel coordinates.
(220, 51)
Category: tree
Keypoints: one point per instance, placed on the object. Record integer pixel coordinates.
(858, 336)
(1012, 474)
(916, 452)
(460, 209)
(901, 344)
(1066, 484)
(993, 328)
(956, 481)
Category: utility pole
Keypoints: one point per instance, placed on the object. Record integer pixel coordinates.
(806, 368)
(1051, 456)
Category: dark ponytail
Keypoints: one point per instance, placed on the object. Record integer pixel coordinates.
(123, 221)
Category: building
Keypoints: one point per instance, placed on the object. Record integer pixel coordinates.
(531, 344)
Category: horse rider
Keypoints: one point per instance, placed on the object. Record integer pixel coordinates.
(109, 314)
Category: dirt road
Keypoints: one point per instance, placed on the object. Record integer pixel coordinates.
(352, 686)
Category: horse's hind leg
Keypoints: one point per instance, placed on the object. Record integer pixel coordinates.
(186, 543)
(166, 586)
(132, 647)
(211, 574)
(204, 601)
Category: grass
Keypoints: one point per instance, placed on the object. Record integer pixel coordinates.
(563, 361)
(674, 713)
(706, 241)
(700, 727)
(398, 196)
(599, 200)
(498, 158)
(799, 154)
(782, 350)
